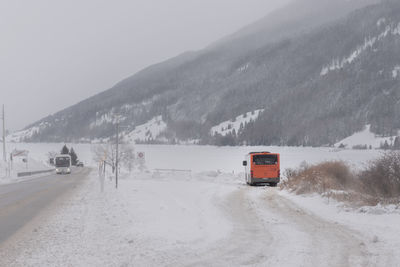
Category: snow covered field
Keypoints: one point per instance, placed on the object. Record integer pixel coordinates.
(206, 217)
(208, 158)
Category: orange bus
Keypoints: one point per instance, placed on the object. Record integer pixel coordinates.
(262, 168)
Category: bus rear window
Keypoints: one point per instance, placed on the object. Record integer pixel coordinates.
(265, 159)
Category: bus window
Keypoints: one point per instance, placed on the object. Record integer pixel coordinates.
(63, 162)
(265, 159)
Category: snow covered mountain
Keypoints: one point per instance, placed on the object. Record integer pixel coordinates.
(319, 70)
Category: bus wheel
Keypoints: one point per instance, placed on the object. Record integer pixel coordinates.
(273, 184)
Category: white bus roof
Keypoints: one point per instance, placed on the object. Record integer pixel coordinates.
(65, 155)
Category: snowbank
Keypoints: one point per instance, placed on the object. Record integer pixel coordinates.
(9, 173)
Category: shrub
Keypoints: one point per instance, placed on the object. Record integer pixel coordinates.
(382, 176)
(360, 147)
(384, 145)
(378, 182)
(342, 145)
(320, 178)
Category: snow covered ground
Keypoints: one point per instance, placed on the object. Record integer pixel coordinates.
(206, 217)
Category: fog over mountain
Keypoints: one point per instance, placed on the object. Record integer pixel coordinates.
(311, 73)
(66, 51)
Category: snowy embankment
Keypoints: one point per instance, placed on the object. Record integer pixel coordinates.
(205, 217)
(9, 172)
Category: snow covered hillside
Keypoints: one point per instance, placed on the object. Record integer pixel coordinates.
(317, 99)
(148, 131)
(366, 137)
(228, 127)
(28, 133)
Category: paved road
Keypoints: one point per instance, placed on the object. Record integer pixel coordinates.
(21, 202)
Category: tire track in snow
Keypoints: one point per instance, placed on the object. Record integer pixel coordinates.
(330, 244)
(248, 242)
(271, 230)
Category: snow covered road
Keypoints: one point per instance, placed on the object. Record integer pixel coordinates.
(318, 242)
(272, 230)
(205, 219)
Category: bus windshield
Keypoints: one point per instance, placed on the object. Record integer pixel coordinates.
(62, 162)
(265, 159)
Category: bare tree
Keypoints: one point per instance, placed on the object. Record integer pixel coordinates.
(107, 153)
(51, 155)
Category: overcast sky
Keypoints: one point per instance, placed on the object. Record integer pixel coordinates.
(56, 53)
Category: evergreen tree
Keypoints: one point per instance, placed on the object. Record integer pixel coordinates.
(234, 134)
(241, 127)
(74, 157)
(65, 150)
(396, 144)
(385, 145)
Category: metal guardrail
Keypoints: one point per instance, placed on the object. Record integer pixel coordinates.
(23, 174)
(160, 172)
(172, 170)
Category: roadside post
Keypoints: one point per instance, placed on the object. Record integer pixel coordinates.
(141, 156)
(4, 135)
(102, 174)
(116, 158)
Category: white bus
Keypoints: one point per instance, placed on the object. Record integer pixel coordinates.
(63, 164)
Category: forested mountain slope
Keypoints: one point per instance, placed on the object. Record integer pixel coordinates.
(314, 78)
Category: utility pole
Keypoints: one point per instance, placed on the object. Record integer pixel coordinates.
(4, 136)
(116, 157)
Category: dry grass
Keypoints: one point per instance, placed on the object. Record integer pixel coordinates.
(378, 183)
